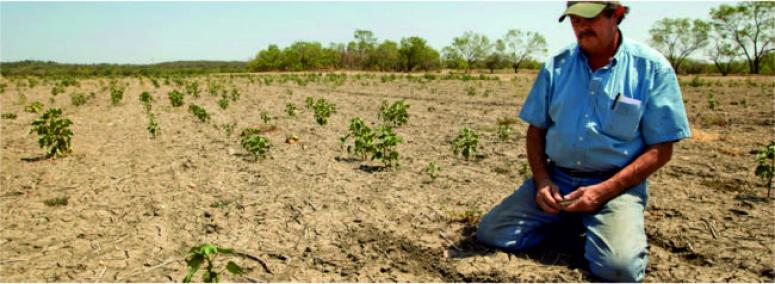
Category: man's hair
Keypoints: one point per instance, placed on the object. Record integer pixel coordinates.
(609, 11)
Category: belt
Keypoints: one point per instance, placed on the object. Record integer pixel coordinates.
(583, 174)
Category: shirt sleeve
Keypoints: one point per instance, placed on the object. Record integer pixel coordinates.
(664, 117)
(535, 110)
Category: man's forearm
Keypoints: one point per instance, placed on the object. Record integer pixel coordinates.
(636, 172)
(536, 156)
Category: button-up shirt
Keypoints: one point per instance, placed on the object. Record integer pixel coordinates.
(602, 120)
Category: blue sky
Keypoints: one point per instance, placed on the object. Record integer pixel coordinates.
(150, 32)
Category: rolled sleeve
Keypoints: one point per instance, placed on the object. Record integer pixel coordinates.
(664, 118)
(535, 110)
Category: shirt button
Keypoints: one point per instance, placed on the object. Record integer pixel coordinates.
(578, 163)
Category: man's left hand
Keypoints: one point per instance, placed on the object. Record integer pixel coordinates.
(585, 199)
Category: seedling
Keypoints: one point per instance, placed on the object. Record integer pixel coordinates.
(766, 165)
(712, 103)
(58, 201)
(309, 102)
(291, 109)
(155, 83)
(53, 132)
(432, 170)
(229, 128)
(78, 99)
(323, 110)
(192, 89)
(471, 91)
(34, 107)
(223, 103)
(153, 127)
(57, 89)
(235, 95)
(384, 149)
(116, 92)
(146, 99)
(504, 132)
(466, 143)
(176, 98)
(208, 252)
(394, 115)
(363, 138)
(9, 115)
(254, 143)
(265, 117)
(199, 112)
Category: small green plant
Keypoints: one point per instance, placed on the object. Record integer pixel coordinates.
(58, 201)
(116, 92)
(34, 107)
(223, 103)
(265, 117)
(235, 95)
(695, 82)
(466, 143)
(385, 147)
(155, 83)
(153, 127)
(487, 93)
(54, 132)
(504, 132)
(9, 115)
(363, 138)
(176, 98)
(323, 110)
(309, 102)
(192, 89)
(394, 115)
(146, 99)
(471, 91)
(291, 109)
(712, 102)
(254, 143)
(207, 252)
(78, 99)
(432, 170)
(765, 168)
(229, 128)
(199, 112)
(57, 89)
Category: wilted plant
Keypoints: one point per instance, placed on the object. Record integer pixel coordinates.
(199, 112)
(207, 252)
(265, 117)
(471, 91)
(58, 201)
(394, 115)
(176, 98)
(153, 127)
(229, 128)
(432, 170)
(323, 110)
(53, 132)
(765, 158)
(9, 115)
(466, 143)
(78, 99)
(34, 107)
(504, 132)
(291, 109)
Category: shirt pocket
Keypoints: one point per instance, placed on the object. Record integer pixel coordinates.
(621, 117)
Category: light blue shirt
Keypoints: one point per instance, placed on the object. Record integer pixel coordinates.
(602, 120)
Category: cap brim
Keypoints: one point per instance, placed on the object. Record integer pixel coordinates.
(584, 9)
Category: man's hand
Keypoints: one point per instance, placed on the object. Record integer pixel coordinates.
(548, 196)
(585, 199)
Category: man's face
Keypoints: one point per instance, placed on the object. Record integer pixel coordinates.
(594, 35)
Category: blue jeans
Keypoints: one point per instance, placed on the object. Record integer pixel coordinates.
(615, 243)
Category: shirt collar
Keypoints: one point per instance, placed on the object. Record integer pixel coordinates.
(620, 50)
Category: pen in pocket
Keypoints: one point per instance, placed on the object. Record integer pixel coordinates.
(616, 99)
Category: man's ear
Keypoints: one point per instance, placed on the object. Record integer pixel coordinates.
(619, 12)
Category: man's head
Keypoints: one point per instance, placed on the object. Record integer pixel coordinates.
(595, 23)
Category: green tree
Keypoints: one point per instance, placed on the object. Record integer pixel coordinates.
(417, 55)
(678, 38)
(496, 58)
(473, 47)
(269, 59)
(521, 47)
(365, 44)
(751, 25)
(387, 57)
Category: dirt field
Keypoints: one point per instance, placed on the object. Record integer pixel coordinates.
(311, 212)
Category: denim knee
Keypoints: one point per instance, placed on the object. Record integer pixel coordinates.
(620, 267)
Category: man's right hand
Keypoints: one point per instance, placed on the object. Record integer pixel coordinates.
(548, 196)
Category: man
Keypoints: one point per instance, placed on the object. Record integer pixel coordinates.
(604, 114)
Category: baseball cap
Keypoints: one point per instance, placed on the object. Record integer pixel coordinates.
(587, 9)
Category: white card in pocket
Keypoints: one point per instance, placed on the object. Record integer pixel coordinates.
(629, 101)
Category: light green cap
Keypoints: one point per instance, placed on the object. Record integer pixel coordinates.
(587, 9)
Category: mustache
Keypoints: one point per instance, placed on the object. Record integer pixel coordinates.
(587, 33)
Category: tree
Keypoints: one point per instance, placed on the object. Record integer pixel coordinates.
(496, 58)
(365, 43)
(269, 59)
(678, 38)
(387, 57)
(751, 25)
(473, 47)
(416, 54)
(453, 59)
(303, 55)
(523, 46)
(723, 54)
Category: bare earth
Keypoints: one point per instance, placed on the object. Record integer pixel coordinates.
(311, 212)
